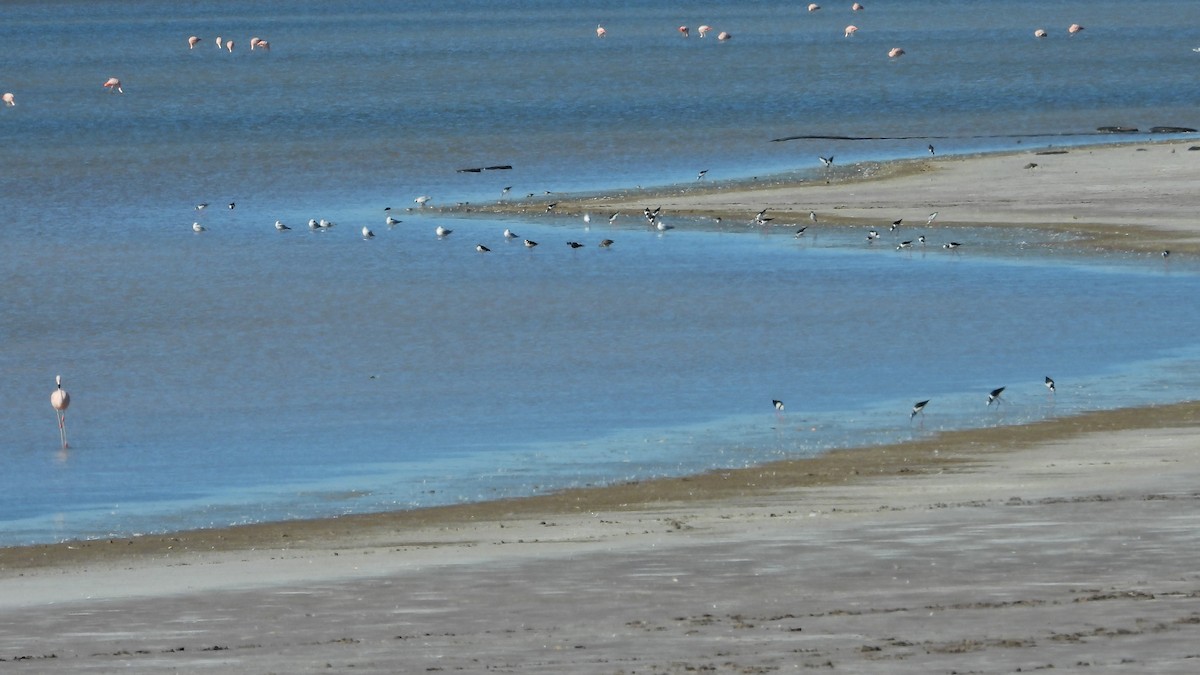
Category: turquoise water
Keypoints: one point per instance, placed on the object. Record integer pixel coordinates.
(244, 374)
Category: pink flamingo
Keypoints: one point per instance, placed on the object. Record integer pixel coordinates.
(723, 36)
(683, 30)
(856, 7)
(113, 84)
(193, 41)
(1075, 28)
(1039, 33)
(59, 400)
(703, 30)
(257, 43)
(600, 32)
(895, 52)
(8, 99)
(812, 7)
(219, 42)
(229, 46)
(851, 30)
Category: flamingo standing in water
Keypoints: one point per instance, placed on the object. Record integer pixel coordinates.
(8, 99)
(59, 400)
(895, 52)
(851, 30)
(229, 46)
(812, 7)
(1075, 28)
(683, 30)
(193, 41)
(1039, 33)
(600, 32)
(856, 7)
(219, 42)
(703, 30)
(723, 36)
(113, 84)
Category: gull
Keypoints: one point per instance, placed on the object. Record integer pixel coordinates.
(509, 234)
(325, 224)
(530, 243)
(280, 226)
(392, 221)
(441, 231)
(422, 200)
(995, 396)
(827, 161)
(367, 233)
(587, 218)
(663, 227)
(482, 249)
(197, 227)
(313, 224)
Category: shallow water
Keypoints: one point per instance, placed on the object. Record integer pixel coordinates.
(244, 374)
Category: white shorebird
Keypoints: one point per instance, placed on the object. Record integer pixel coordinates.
(422, 200)
(367, 233)
(280, 226)
(662, 227)
(197, 227)
(60, 400)
(442, 231)
(509, 234)
(313, 224)
(392, 221)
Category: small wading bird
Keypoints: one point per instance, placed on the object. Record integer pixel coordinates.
(702, 174)
(1050, 384)
(367, 233)
(994, 395)
(918, 409)
(778, 405)
(827, 161)
(60, 400)
(574, 244)
(280, 226)
(422, 200)
(606, 243)
(197, 227)
(482, 249)
(530, 243)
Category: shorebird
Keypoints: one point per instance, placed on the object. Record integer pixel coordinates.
(994, 395)
(606, 243)
(904, 244)
(931, 151)
(918, 409)
(505, 190)
(60, 400)
(663, 227)
(702, 174)
(951, 245)
(509, 234)
(530, 244)
(1050, 384)
(778, 405)
(113, 84)
(895, 224)
(550, 206)
(1166, 254)
(827, 161)
(202, 206)
(800, 232)
(232, 205)
(929, 220)
(482, 249)
(812, 216)
(367, 233)
(442, 231)
(392, 221)
(8, 99)
(574, 244)
(325, 224)
(422, 200)
(280, 226)
(613, 218)
(197, 227)
(313, 224)
(872, 235)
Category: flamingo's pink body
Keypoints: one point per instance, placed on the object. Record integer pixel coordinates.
(1039, 33)
(8, 99)
(723, 36)
(60, 400)
(895, 52)
(113, 84)
(193, 41)
(812, 7)
(851, 30)
(1075, 28)
(683, 30)
(703, 30)
(219, 45)
(600, 32)
(229, 46)
(856, 7)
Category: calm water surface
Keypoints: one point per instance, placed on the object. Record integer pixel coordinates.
(243, 374)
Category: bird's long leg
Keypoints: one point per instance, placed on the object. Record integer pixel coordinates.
(62, 428)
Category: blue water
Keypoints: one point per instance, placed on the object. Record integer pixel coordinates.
(243, 374)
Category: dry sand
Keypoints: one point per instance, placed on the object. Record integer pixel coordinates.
(1069, 545)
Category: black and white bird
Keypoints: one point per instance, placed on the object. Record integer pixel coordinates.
(903, 245)
(872, 235)
(929, 220)
(197, 227)
(574, 244)
(231, 205)
(994, 395)
(778, 405)
(442, 231)
(550, 206)
(202, 206)
(800, 232)
(530, 244)
(812, 216)
(392, 221)
(918, 409)
(280, 226)
(367, 233)
(931, 148)
(606, 243)
(896, 224)
(509, 234)
(482, 249)
(1049, 384)
(702, 174)
(613, 218)
(505, 189)
(951, 245)
(1166, 254)
(827, 161)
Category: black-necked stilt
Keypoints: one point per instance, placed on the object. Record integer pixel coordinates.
(895, 224)
(574, 244)
(931, 148)
(606, 243)
(918, 409)
(530, 244)
(482, 249)
(504, 190)
(800, 232)
(872, 235)
(903, 245)
(231, 205)
(202, 206)
(613, 218)
(827, 161)
(550, 206)
(1166, 254)
(702, 174)
(778, 405)
(1050, 384)
(929, 220)
(950, 246)
(994, 395)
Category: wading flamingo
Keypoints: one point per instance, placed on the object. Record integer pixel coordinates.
(600, 32)
(193, 41)
(219, 42)
(856, 7)
(683, 30)
(703, 30)
(895, 52)
(723, 36)
(60, 399)
(113, 84)
(851, 30)
(8, 99)
(229, 46)
(1039, 33)
(1075, 28)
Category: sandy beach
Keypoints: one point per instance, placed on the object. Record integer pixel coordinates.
(1067, 545)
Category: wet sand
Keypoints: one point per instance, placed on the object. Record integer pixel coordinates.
(1068, 545)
